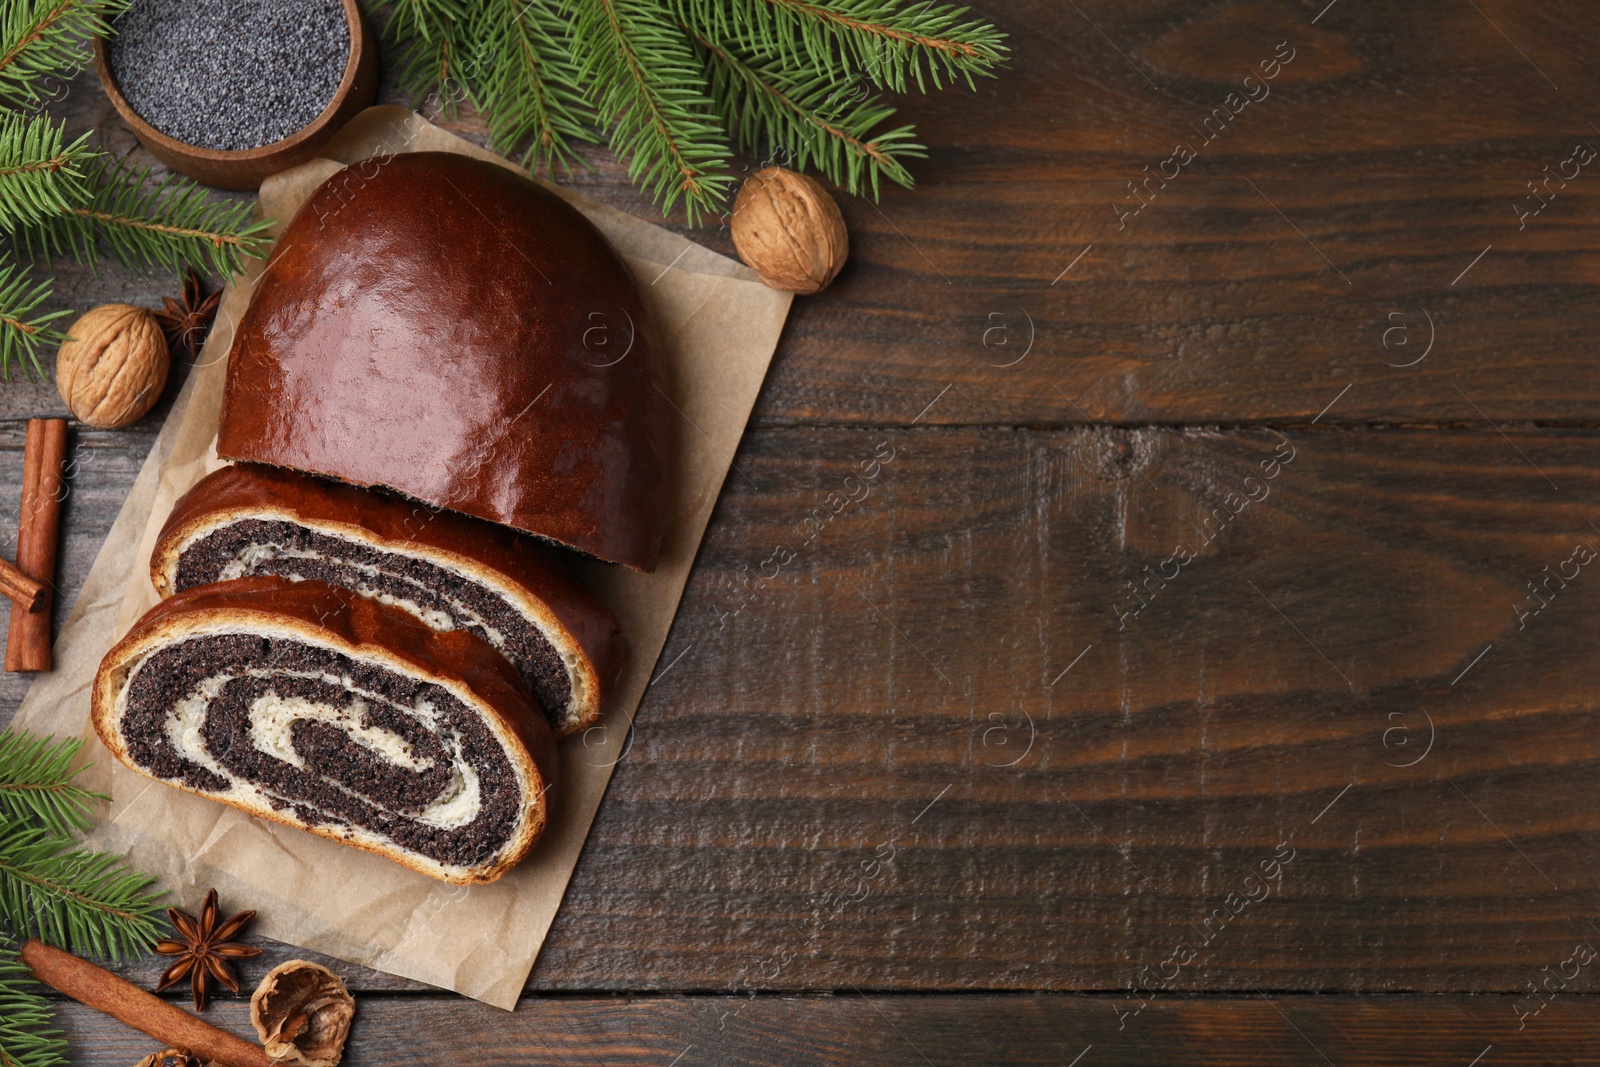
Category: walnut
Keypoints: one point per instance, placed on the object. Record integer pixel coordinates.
(302, 1014)
(172, 1057)
(113, 365)
(789, 230)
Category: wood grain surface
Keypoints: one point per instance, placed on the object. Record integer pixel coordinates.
(1269, 1030)
(1117, 626)
(1383, 159)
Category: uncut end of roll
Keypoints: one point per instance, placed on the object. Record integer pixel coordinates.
(318, 709)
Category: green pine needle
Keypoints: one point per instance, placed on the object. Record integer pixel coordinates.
(793, 77)
(425, 36)
(523, 79)
(427, 69)
(807, 122)
(86, 902)
(36, 783)
(170, 225)
(22, 331)
(648, 87)
(44, 40)
(427, 19)
(889, 43)
(41, 174)
(26, 1037)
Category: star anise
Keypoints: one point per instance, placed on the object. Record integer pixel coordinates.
(204, 947)
(185, 322)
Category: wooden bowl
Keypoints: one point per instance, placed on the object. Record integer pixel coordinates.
(245, 169)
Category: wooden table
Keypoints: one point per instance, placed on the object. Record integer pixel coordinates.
(1208, 678)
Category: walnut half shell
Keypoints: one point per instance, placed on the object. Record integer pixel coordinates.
(172, 1057)
(302, 1014)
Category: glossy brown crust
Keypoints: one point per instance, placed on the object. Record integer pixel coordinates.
(335, 618)
(434, 324)
(581, 623)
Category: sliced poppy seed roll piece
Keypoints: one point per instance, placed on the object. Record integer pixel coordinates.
(323, 710)
(451, 571)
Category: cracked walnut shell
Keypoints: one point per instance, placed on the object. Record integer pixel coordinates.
(172, 1057)
(113, 365)
(788, 230)
(302, 1014)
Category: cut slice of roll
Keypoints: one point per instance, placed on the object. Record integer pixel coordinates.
(319, 709)
(451, 571)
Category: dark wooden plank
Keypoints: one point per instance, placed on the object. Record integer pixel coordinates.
(872, 695)
(919, 1030)
(1394, 145)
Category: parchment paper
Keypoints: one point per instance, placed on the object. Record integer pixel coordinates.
(720, 326)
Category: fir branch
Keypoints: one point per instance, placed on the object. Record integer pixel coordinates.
(36, 783)
(42, 39)
(428, 19)
(26, 1037)
(171, 225)
(647, 86)
(423, 63)
(888, 42)
(41, 174)
(428, 35)
(670, 82)
(523, 79)
(87, 902)
(807, 121)
(21, 330)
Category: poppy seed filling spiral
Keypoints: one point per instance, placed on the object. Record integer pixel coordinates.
(338, 742)
(444, 600)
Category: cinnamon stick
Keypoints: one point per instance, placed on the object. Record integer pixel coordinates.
(26, 594)
(127, 1003)
(38, 533)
